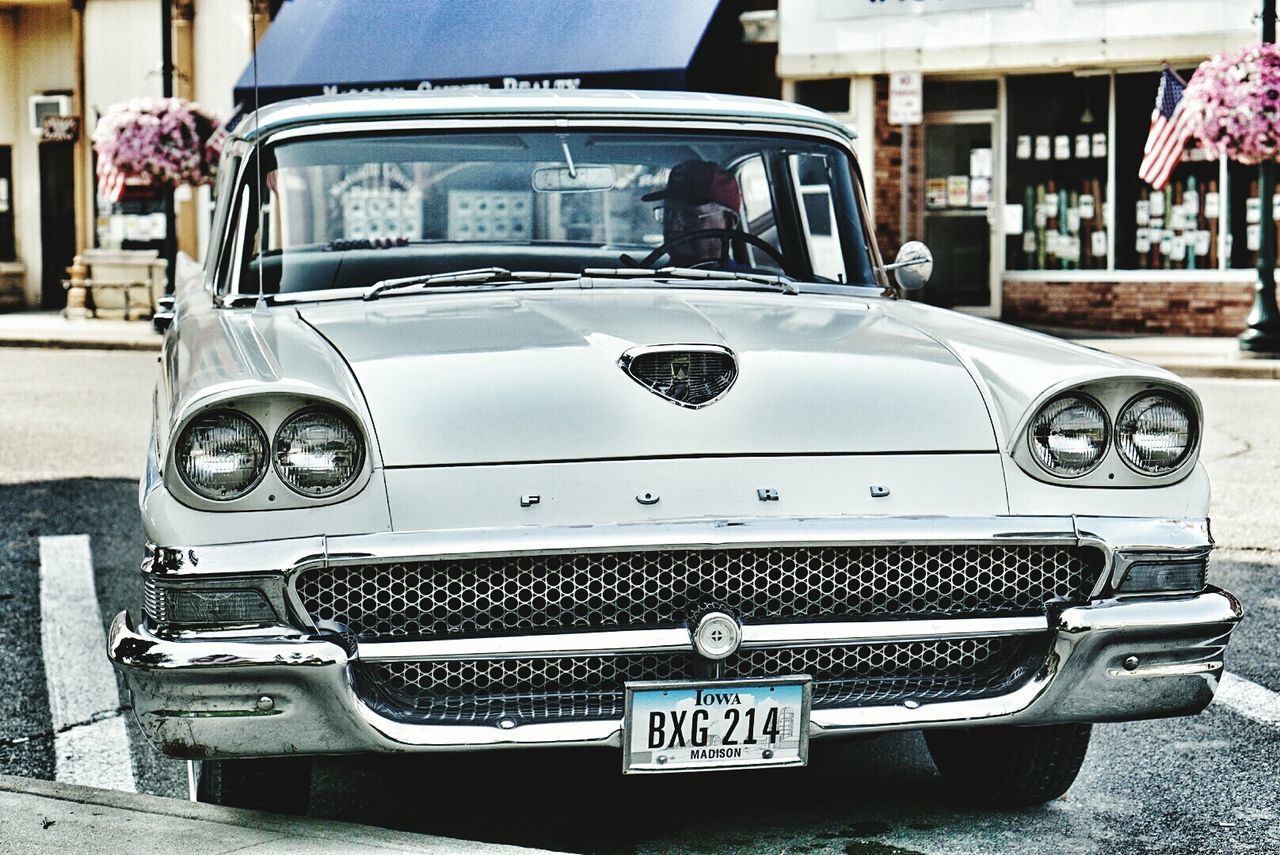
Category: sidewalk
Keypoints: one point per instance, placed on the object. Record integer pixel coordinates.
(44, 816)
(51, 329)
(1184, 355)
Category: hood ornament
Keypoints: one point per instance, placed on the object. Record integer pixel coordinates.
(690, 375)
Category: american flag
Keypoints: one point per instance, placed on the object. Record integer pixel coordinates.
(111, 182)
(1168, 135)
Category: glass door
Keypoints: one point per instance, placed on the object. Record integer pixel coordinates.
(960, 205)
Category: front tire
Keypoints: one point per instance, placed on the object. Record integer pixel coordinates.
(1009, 766)
(275, 784)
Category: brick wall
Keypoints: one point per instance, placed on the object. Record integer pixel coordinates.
(1151, 308)
(887, 177)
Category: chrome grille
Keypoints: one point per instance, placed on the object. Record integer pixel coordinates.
(592, 687)
(665, 587)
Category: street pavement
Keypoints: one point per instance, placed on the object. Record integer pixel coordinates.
(74, 425)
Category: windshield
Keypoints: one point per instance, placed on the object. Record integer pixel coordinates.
(346, 212)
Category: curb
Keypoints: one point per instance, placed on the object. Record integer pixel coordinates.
(288, 833)
(1234, 371)
(81, 344)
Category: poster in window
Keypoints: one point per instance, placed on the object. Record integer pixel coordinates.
(979, 192)
(1100, 144)
(935, 193)
(1202, 242)
(980, 162)
(957, 191)
(1098, 239)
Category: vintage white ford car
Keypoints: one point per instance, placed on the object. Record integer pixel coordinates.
(595, 419)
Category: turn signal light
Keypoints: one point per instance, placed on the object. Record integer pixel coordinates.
(232, 606)
(1150, 577)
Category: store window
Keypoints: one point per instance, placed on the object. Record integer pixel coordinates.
(1057, 174)
(944, 96)
(1178, 227)
(830, 95)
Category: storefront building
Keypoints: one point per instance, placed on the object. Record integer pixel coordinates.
(62, 63)
(318, 47)
(1023, 176)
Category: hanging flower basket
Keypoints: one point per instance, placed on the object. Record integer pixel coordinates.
(159, 141)
(1233, 104)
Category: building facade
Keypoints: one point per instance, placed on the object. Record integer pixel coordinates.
(71, 60)
(1023, 175)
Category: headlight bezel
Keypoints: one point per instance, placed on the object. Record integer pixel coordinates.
(214, 412)
(269, 411)
(341, 417)
(1113, 394)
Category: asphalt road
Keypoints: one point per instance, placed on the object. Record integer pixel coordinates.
(72, 432)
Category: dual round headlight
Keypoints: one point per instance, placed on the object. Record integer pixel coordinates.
(223, 454)
(1155, 433)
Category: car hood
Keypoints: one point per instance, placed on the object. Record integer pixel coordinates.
(534, 376)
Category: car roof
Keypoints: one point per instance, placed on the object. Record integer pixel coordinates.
(411, 104)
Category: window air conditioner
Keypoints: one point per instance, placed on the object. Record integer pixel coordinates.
(47, 105)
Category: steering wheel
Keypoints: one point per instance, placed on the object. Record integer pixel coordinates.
(725, 236)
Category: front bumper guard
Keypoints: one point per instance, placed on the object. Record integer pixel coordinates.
(1111, 660)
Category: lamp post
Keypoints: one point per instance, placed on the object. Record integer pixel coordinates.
(170, 251)
(1263, 334)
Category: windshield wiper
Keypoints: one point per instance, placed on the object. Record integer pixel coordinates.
(782, 283)
(480, 276)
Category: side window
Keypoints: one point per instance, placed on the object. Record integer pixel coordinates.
(757, 210)
(817, 215)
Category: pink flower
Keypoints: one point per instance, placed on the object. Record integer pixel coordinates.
(166, 141)
(1233, 104)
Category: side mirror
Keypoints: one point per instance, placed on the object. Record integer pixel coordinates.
(163, 317)
(913, 266)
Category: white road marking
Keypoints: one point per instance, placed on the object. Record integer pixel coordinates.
(1248, 699)
(90, 741)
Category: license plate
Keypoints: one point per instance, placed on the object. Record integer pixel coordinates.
(687, 726)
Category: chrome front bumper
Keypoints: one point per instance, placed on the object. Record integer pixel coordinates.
(1114, 659)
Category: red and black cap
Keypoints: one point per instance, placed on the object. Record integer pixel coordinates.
(697, 182)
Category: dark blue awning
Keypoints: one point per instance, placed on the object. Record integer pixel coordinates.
(319, 46)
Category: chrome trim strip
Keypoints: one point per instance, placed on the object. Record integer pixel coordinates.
(765, 636)
(754, 636)
(1111, 534)
(784, 126)
(607, 643)
(703, 534)
(1174, 670)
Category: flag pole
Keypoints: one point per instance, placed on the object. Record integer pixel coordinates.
(1263, 334)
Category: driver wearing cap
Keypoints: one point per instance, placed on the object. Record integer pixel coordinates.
(699, 195)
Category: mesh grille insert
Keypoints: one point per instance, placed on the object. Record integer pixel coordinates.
(565, 688)
(691, 378)
(665, 587)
